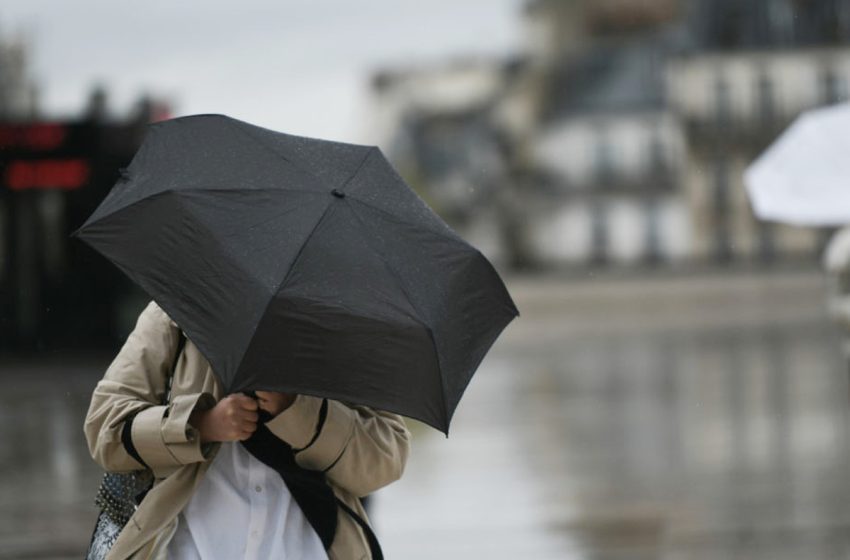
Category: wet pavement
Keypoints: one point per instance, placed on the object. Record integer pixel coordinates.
(650, 418)
(642, 419)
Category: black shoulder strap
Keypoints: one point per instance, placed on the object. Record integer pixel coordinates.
(181, 343)
(374, 546)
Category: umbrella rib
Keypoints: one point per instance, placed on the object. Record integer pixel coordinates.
(369, 153)
(268, 148)
(288, 274)
(282, 284)
(398, 280)
(177, 191)
(227, 188)
(397, 218)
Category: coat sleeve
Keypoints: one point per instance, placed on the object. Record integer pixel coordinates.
(359, 449)
(125, 427)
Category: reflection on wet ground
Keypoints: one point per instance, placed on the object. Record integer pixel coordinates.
(47, 479)
(680, 419)
(676, 418)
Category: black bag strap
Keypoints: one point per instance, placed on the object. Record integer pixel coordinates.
(374, 545)
(309, 489)
(181, 344)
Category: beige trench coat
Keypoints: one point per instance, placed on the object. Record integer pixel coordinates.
(363, 449)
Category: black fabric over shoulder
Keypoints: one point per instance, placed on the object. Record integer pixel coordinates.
(309, 488)
(374, 545)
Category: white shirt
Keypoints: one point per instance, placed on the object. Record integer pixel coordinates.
(243, 509)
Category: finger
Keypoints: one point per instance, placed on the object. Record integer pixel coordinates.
(264, 405)
(245, 402)
(248, 427)
(267, 396)
(250, 416)
(239, 423)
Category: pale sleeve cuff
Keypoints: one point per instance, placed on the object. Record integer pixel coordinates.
(297, 424)
(164, 441)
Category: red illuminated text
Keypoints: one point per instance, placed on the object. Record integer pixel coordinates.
(64, 174)
(38, 137)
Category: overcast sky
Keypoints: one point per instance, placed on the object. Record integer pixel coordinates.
(300, 66)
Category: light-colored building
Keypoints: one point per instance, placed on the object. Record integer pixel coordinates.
(607, 150)
(608, 190)
(18, 93)
(602, 163)
(620, 135)
(440, 125)
(747, 70)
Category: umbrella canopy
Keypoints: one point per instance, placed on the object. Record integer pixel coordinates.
(302, 265)
(803, 178)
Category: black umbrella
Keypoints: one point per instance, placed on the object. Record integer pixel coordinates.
(302, 265)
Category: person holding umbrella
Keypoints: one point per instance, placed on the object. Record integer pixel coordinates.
(214, 457)
(305, 273)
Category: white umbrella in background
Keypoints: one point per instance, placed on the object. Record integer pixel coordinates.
(803, 178)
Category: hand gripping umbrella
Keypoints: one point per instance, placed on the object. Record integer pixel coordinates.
(302, 265)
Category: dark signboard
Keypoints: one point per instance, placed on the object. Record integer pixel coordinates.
(54, 292)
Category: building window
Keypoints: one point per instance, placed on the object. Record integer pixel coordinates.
(766, 99)
(722, 102)
(599, 232)
(653, 231)
(766, 242)
(832, 87)
(657, 159)
(603, 158)
(780, 22)
(722, 235)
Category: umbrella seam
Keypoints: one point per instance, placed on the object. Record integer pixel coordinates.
(237, 189)
(294, 164)
(288, 274)
(369, 153)
(173, 190)
(282, 284)
(263, 145)
(185, 212)
(445, 235)
(398, 280)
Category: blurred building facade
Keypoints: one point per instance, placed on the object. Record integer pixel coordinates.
(54, 292)
(607, 148)
(18, 91)
(748, 69)
(620, 135)
(438, 125)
